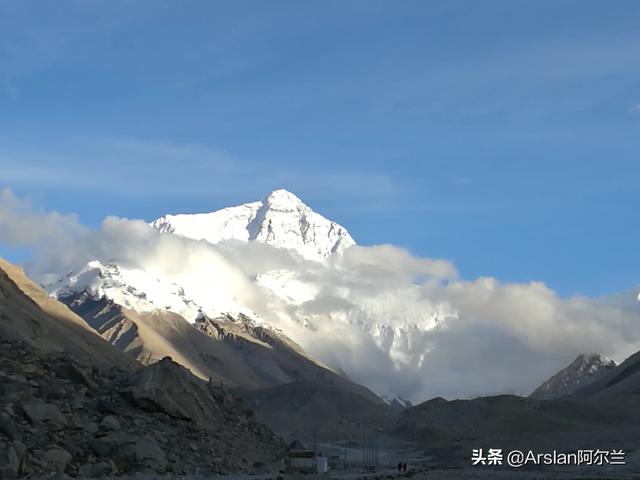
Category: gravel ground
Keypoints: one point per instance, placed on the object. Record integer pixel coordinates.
(473, 473)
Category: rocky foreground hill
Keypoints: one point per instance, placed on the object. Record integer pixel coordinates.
(56, 415)
(71, 403)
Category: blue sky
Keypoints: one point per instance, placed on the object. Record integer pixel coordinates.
(502, 135)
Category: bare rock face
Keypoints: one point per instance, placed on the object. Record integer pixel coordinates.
(170, 388)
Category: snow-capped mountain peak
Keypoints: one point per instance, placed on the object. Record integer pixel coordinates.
(281, 220)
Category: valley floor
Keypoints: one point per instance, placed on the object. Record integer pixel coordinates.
(433, 472)
(470, 473)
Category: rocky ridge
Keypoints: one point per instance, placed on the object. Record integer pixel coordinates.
(584, 370)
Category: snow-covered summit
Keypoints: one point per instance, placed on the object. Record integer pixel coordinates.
(578, 374)
(281, 220)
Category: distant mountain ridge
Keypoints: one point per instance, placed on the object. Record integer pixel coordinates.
(620, 381)
(585, 369)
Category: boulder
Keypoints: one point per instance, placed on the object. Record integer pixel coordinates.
(58, 459)
(168, 387)
(110, 406)
(70, 371)
(74, 448)
(115, 445)
(160, 437)
(91, 428)
(8, 409)
(110, 423)
(150, 454)
(44, 413)
(97, 470)
(8, 427)
(13, 461)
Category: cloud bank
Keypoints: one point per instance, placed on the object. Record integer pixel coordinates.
(400, 324)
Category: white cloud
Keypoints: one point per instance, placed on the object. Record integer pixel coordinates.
(400, 324)
(21, 225)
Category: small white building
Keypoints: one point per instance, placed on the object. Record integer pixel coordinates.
(307, 461)
(322, 464)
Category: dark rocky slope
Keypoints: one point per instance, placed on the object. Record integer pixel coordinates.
(449, 430)
(585, 369)
(624, 380)
(56, 415)
(231, 350)
(307, 411)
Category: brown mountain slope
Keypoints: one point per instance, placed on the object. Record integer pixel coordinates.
(150, 337)
(28, 314)
(279, 360)
(233, 351)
